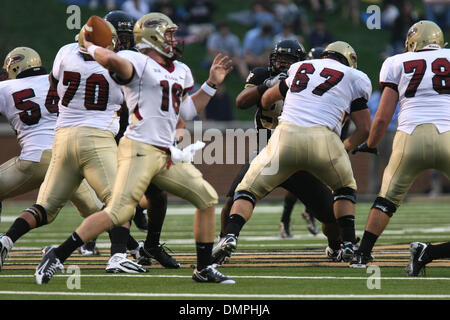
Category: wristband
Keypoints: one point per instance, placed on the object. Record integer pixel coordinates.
(210, 91)
(91, 50)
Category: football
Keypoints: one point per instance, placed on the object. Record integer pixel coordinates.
(98, 32)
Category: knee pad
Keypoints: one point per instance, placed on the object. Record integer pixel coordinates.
(245, 195)
(345, 193)
(34, 211)
(384, 205)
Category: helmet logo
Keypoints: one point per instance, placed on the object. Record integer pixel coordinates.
(353, 57)
(412, 32)
(151, 23)
(14, 59)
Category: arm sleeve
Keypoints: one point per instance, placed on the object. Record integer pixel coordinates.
(139, 62)
(388, 76)
(188, 81)
(188, 110)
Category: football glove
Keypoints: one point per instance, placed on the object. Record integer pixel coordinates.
(272, 81)
(364, 148)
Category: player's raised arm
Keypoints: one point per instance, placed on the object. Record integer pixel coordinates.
(110, 60)
(220, 68)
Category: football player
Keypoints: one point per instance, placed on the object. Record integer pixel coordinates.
(290, 199)
(156, 87)
(302, 184)
(155, 199)
(419, 79)
(317, 96)
(31, 107)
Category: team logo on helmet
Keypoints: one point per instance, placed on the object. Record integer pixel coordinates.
(14, 59)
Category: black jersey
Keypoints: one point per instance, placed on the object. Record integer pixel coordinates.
(265, 120)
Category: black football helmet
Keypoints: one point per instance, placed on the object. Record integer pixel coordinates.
(315, 53)
(124, 24)
(285, 53)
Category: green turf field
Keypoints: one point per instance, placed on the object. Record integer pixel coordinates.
(264, 266)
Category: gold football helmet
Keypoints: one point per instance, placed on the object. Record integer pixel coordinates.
(343, 52)
(114, 43)
(156, 31)
(21, 59)
(424, 34)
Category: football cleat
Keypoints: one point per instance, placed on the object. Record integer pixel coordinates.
(119, 263)
(141, 255)
(334, 255)
(310, 222)
(48, 266)
(166, 260)
(222, 251)
(418, 259)
(360, 260)
(210, 274)
(285, 231)
(349, 249)
(6, 245)
(88, 249)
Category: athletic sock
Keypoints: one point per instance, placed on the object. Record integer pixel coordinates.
(152, 239)
(67, 247)
(119, 237)
(19, 228)
(235, 224)
(438, 251)
(334, 244)
(367, 243)
(132, 244)
(347, 227)
(204, 250)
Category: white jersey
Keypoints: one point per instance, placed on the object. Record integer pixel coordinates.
(153, 97)
(422, 80)
(31, 109)
(322, 92)
(89, 97)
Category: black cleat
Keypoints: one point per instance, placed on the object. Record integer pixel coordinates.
(334, 255)
(222, 251)
(360, 260)
(349, 249)
(210, 274)
(89, 249)
(48, 266)
(166, 260)
(141, 255)
(418, 259)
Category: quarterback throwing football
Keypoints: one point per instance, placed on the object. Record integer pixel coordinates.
(156, 88)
